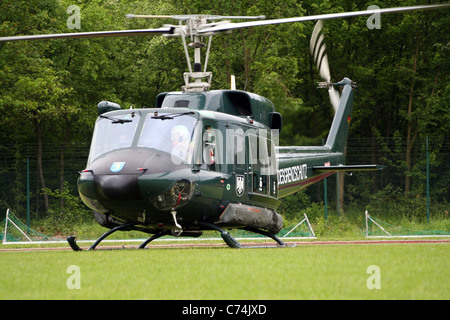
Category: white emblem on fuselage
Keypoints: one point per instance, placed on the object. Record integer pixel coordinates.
(240, 185)
(117, 166)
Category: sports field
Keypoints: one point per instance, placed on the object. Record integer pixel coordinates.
(330, 271)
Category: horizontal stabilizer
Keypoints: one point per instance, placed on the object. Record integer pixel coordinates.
(356, 167)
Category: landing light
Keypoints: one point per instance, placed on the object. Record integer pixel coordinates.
(175, 197)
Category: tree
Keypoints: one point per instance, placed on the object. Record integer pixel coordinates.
(31, 87)
(49, 89)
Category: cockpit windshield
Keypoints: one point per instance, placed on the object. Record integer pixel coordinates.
(113, 133)
(170, 134)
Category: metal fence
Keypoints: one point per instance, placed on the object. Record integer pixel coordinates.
(415, 180)
(34, 193)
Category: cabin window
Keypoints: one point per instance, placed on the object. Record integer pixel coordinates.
(263, 161)
(212, 141)
(235, 147)
(239, 151)
(181, 104)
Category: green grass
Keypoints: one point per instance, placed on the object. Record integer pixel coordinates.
(408, 271)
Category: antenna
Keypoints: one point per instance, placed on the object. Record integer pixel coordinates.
(233, 82)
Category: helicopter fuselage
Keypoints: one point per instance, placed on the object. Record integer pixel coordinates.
(210, 156)
(165, 161)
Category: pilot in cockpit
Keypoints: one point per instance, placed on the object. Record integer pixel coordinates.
(181, 144)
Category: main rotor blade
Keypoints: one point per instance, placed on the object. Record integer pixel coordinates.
(231, 26)
(95, 34)
(192, 16)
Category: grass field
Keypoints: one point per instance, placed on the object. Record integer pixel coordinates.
(407, 271)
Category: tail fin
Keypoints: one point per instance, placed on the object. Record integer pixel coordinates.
(337, 137)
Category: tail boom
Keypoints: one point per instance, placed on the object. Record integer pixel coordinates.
(298, 166)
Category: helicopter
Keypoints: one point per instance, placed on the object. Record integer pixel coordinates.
(204, 159)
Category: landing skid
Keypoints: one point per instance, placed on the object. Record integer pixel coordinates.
(267, 234)
(72, 240)
(154, 237)
(233, 243)
(226, 236)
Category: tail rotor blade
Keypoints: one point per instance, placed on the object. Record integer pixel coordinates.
(318, 52)
(317, 48)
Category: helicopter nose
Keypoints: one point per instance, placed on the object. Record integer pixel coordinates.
(117, 187)
(134, 174)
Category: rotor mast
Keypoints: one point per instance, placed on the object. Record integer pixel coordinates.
(196, 79)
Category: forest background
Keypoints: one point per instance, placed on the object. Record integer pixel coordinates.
(49, 90)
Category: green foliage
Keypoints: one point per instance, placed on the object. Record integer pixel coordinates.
(49, 89)
(272, 61)
(391, 203)
(62, 218)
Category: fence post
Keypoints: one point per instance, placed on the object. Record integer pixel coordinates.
(325, 197)
(428, 179)
(337, 193)
(28, 195)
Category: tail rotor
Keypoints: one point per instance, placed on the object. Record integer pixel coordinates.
(318, 52)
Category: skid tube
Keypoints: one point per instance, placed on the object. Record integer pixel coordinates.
(233, 243)
(154, 237)
(226, 236)
(72, 240)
